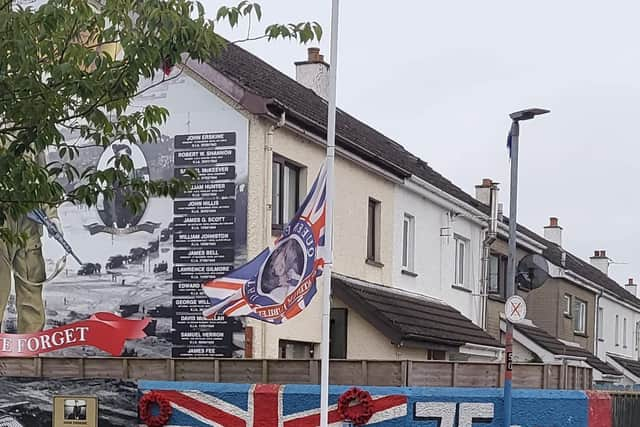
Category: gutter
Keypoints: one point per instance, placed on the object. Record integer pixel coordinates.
(344, 153)
(595, 288)
(320, 130)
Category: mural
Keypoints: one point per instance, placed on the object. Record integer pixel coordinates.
(28, 402)
(200, 404)
(139, 274)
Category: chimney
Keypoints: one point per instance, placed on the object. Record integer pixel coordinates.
(314, 72)
(553, 232)
(632, 287)
(600, 261)
(483, 191)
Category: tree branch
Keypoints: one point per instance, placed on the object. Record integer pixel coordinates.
(250, 39)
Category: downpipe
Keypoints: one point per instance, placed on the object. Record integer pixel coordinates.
(491, 234)
(268, 182)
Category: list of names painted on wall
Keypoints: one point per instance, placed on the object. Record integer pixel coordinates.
(207, 217)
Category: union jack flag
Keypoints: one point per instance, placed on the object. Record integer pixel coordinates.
(267, 405)
(280, 282)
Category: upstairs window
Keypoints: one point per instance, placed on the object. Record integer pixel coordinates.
(460, 268)
(373, 230)
(285, 191)
(601, 323)
(408, 242)
(580, 316)
(567, 305)
(497, 275)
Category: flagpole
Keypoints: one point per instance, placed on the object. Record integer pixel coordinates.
(331, 149)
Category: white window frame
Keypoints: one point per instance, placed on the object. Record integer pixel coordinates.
(408, 242)
(580, 316)
(617, 330)
(624, 332)
(568, 306)
(460, 276)
(600, 331)
(637, 335)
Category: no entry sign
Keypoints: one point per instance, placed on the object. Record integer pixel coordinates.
(515, 309)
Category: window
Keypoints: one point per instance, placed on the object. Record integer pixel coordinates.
(580, 316)
(373, 230)
(624, 332)
(617, 330)
(601, 323)
(436, 355)
(408, 242)
(497, 275)
(460, 278)
(637, 336)
(338, 334)
(295, 349)
(285, 191)
(567, 305)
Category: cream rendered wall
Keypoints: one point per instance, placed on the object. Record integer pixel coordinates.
(354, 185)
(435, 254)
(366, 342)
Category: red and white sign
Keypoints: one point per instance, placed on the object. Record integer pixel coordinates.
(515, 309)
(105, 331)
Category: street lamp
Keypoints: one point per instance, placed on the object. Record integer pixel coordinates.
(514, 135)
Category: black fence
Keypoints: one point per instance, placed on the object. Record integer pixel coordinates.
(626, 409)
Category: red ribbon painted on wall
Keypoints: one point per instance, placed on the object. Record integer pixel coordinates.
(105, 331)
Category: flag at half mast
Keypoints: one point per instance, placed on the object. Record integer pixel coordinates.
(280, 282)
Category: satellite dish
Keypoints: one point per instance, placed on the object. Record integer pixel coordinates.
(532, 272)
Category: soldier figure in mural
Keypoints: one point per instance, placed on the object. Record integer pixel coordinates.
(25, 264)
(114, 213)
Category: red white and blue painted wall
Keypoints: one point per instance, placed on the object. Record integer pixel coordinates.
(244, 405)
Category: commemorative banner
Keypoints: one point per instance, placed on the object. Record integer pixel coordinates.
(125, 289)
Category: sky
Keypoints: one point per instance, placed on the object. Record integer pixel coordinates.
(440, 78)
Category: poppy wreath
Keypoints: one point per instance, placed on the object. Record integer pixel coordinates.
(144, 409)
(355, 405)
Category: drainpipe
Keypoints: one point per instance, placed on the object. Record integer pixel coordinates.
(597, 319)
(268, 162)
(490, 237)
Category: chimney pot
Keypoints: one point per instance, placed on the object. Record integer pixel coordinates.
(631, 281)
(313, 54)
(486, 182)
(553, 221)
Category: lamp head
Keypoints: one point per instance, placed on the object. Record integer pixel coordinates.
(527, 114)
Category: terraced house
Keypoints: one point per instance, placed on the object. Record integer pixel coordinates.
(418, 274)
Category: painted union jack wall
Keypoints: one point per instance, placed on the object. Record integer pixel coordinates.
(269, 405)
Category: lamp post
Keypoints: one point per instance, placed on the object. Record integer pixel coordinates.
(514, 135)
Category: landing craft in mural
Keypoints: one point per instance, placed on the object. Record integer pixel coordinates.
(278, 284)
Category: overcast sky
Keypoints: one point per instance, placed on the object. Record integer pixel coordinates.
(441, 77)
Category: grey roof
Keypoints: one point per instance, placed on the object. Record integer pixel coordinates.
(407, 318)
(557, 347)
(632, 366)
